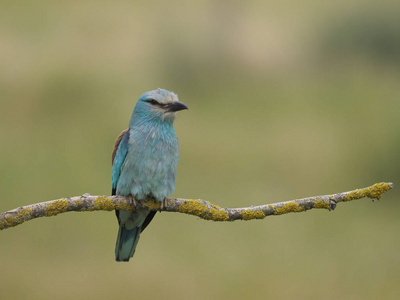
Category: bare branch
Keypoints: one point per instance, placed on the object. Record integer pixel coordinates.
(196, 207)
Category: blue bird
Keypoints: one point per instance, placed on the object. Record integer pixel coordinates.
(145, 158)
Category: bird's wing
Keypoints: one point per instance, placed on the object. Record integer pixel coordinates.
(116, 144)
(118, 157)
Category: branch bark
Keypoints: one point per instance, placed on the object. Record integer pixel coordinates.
(197, 207)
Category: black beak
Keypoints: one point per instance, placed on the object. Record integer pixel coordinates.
(176, 106)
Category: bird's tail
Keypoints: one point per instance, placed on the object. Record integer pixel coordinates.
(126, 242)
(130, 227)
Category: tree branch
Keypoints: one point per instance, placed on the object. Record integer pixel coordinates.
(196, 207)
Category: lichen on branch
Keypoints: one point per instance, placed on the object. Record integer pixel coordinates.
(196, 207)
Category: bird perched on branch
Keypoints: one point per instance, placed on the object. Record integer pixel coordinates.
(145, 158)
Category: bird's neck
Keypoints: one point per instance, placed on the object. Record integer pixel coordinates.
(163, 128)
(144, 119)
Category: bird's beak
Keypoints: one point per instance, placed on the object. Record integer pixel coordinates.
(176, 106)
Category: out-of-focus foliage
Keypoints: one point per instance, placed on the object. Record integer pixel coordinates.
(286, 100)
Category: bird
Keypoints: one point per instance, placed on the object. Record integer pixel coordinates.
(144, 163)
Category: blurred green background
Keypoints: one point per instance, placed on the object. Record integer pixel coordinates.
(287, 99)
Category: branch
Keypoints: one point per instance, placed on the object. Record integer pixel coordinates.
(197, 207)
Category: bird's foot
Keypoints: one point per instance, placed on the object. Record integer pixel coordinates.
(163, 204)
(132, 201)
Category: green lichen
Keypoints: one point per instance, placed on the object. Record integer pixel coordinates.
(250, 215)
(321, 204)
(196, 208)
(2, 225)
(288, 208)
(56, 207)
(373, 192)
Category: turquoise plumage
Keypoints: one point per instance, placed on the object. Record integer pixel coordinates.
(145, 159)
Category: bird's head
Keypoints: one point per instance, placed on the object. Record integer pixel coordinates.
(158, 105)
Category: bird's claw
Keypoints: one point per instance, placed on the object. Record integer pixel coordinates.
(163, 204)
(132, 201)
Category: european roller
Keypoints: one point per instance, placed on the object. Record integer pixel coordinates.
(145, 158)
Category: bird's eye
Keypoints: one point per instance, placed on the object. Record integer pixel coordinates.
(154, 102)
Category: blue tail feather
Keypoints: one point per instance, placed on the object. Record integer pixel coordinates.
(126, 242)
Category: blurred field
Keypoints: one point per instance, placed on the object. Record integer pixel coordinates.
(287, 100)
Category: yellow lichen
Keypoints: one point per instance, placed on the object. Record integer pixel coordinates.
(250, 215)
(24, 214)
(56, 207)
(195, 207)
(78, 202)
(288, 208)
(123, 206)
(219, 215)
(103, 203)
(373, 192)
(152, 205)
(10, 221)
(321, 204)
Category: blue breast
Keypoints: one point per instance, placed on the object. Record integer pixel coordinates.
(149, 169)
